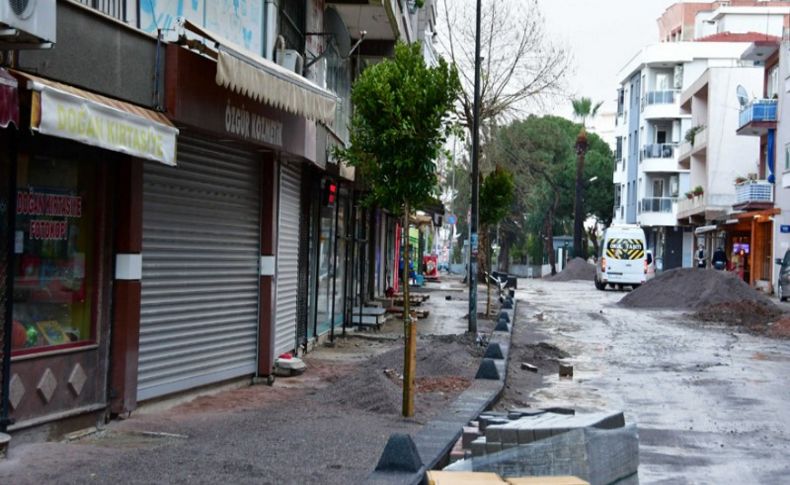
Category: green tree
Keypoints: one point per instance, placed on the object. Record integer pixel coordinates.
(583, 109)
(539, 152)
(398, 129)
(496, 199)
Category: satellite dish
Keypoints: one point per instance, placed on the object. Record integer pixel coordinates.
(333, 24)
(743, 96)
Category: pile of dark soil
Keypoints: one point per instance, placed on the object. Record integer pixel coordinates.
(694, 289)
(576, 269)
(713, 296)
(445, 368)
(541, 352)
(749, 314)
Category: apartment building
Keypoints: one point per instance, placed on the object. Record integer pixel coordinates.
(648, 177)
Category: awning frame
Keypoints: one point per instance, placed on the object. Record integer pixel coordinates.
(260, 79)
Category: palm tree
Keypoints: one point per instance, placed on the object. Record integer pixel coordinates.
(583, 109)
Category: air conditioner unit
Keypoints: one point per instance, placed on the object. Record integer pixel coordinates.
(27, 24)
(291, 60)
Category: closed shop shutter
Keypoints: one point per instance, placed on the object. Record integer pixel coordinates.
(201, 249)
(287, 259)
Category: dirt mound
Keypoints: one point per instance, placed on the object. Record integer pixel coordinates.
(779, 329)
(749, 314)
(576, 269)
(696, 289)
(445, 367)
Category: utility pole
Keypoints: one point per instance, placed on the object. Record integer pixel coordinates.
(475, 184)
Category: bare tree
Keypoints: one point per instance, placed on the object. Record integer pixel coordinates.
(521, 68)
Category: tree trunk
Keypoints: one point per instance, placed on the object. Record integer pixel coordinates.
(594, 239)
(409, 329)
(578, 212)
(504, 253)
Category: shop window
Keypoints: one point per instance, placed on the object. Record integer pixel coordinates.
(55, 253)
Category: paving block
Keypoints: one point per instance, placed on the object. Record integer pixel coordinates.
(493, 447)
(478, 446)
(509, 434)
(469, 434)
(493, 433)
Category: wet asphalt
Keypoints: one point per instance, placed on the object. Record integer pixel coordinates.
(712, 403)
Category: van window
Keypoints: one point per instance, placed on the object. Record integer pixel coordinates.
(649, 258)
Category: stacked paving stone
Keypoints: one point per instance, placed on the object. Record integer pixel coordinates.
(500, 431)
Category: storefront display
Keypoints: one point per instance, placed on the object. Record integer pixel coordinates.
(54, 254)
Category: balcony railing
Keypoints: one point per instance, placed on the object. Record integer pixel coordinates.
(660, 97)
(657, 204)
(658, 150)
(759, 110)
(113, 8)
(754, 191)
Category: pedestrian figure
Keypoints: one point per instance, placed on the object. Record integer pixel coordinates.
(719, 259)
(701, 257)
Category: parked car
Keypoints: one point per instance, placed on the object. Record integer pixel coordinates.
(622, 261)
(783, 284)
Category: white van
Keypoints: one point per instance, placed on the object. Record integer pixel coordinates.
(623, 260)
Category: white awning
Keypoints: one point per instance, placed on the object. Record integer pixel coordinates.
(65, 111)
(263, 80)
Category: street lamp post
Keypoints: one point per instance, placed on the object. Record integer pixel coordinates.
(475, 183)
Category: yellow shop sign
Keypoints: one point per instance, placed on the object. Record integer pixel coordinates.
(67, 115)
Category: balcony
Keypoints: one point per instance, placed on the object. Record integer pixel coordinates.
(707, 206)
(661, 97)
(657, 211)
(661, 105)
(383, 20)
(687, 149)
(757, 117)
(754, 195)
(658, 150)
(658, 204)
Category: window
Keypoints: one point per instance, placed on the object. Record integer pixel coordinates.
(293, 19)
(618, 153)
(661, 137)
(55, 253)
(658, 188)
(662, 82)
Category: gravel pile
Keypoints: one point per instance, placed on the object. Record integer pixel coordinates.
(576, 269)
(694, 289)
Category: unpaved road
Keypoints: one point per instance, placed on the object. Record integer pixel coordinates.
(712, 404)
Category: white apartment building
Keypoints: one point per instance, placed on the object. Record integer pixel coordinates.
(648, 177)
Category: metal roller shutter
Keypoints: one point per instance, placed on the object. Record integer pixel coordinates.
(287, 258)
(201, 250)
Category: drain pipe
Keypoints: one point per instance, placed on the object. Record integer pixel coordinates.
(8, 319)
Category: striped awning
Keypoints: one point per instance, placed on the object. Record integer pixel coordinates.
(65, 111)
(265, 81)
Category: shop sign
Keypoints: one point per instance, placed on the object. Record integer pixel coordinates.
(70, 116)
(37, 204)
(785, 229)
(251, 126)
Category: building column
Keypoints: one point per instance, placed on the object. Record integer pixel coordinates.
(125, 340)
(268, 226)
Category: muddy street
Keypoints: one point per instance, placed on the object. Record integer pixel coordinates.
(709, 400)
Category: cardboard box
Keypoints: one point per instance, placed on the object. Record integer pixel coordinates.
(464, 478)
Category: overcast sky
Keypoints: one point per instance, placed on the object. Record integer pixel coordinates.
(602, 35)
